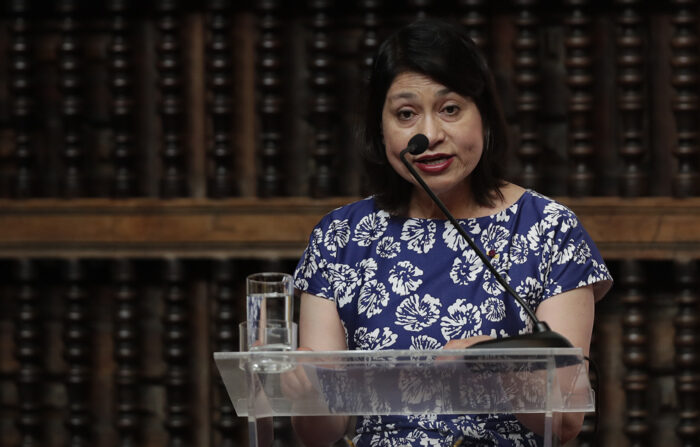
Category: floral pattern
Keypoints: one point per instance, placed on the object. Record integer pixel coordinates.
(404, 278)
(343, 280)
(403, 283)
(336, 236)
(370, 228)
(466, 268)
(387, 248)
(420, 235)
(463, 320)
(373, 298)
(415, 314)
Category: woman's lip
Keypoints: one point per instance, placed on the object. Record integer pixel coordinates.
(446, 161)
(432, 157)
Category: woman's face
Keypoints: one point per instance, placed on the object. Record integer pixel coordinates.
(416, 104)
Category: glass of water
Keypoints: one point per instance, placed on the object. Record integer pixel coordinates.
(271, 336)
(270, 296)
(274, 336)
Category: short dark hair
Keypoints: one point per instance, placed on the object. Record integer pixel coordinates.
(446, 54)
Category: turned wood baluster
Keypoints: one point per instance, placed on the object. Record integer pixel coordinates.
(635, 351)
(72, 88)
(170, 66)
(121, 83)
(77, 340)
(219, 70)
(24, 184)
(270, 179)
(323, 102)
(475, 20)
(687, 344)
(630, 80)
(684, 63)
(527, 78)
(178, 420)
(370, 38)
(127, 351)
(420, 7)
(226, 339)
(30, 355)
(579, 79)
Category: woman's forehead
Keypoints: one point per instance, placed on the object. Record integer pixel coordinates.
(407, 84)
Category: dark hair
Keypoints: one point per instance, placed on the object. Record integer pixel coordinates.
(447, 55)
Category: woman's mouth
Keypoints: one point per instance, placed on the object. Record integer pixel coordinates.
(434, 163)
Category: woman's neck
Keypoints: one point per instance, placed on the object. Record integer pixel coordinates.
(458, 201)
(461, 204)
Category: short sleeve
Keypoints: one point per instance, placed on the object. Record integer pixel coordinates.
(309, 275)
(572, 259)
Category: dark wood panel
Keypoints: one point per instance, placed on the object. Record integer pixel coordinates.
(227, 98)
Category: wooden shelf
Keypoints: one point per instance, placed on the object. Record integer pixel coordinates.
(643, 228)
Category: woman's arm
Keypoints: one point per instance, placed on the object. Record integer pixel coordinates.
(320, 329)
(570, 314)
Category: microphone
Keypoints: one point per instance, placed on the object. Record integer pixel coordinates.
(542, 336)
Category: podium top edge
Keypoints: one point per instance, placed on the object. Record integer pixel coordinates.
(470, 352)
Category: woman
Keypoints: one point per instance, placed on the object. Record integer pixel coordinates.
(390, 272)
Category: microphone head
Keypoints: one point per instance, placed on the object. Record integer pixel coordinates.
(417, 144)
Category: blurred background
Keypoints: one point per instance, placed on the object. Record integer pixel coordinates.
(154, 153)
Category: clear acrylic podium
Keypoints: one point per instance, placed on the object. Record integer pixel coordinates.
(546, 381)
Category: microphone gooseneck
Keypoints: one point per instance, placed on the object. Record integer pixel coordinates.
(542, 335)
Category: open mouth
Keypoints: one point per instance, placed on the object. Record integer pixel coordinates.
(434, 163)
(434, 160)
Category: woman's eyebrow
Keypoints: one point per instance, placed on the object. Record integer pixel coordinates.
(403, 95)
(411, 95)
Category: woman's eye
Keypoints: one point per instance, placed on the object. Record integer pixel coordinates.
(451, 110)
(405, 114)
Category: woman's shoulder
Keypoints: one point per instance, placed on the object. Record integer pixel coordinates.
(542, 205)
(544, 218)
(353, 212)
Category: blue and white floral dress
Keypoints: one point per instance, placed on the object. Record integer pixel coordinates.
(406, 283)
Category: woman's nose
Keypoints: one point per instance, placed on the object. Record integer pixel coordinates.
(432, 129)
